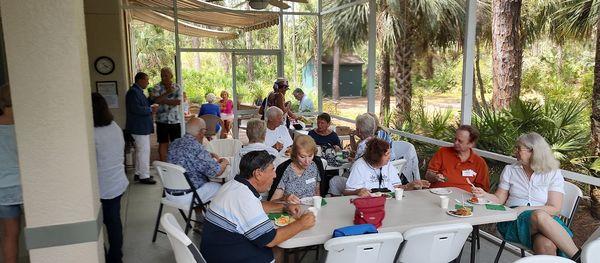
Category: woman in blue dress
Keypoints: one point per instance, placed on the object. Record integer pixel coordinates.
(534, 186)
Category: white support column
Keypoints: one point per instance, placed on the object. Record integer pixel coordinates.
(178, 65)
(466, 101)
(318, 59)
(372, 56)
(281, 55)
(236, 131)
(49, 75)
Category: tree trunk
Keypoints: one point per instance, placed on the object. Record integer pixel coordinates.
(476, 104)
(595, 121)
(384, 85)
(507, 52)
(249, 59)
(225, 58)
(196, 44)
(335, 79)
(429, 56)
(479, 78)
(404, 54)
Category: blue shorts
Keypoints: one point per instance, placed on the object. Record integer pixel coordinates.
(10, 211)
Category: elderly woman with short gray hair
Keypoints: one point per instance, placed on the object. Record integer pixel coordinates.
(256, 131)
(366, 126)
(534, 186)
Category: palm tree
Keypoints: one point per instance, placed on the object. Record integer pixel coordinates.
(421, 23)
(578, 19)
(507, 51)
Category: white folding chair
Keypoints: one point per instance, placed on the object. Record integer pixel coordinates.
(399, 164)
(372, 248)
(591, 252)
(225, 147)
(569, 206)
(405, 150)
(185, 251)
(544, 259)
(434, 244)
(173, 178)
(211, 126)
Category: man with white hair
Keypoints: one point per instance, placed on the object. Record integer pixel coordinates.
(366, 126)
(277, 135)
(200, 165)
(168, 119)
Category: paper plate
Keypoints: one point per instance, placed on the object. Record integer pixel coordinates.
(440, 191)
(482, 201)
(450, 213)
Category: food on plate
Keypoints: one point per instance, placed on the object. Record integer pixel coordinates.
(463, 211)
(474, 199)
(284, 220)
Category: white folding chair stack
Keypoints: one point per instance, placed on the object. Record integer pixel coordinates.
(372, 248)
(544, 259)
(225, 147)
(173, 177)
(185, 251)
(434, 244)
(569, 206)
(405, 150)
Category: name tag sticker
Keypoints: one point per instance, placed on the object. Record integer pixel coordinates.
(468, 173)
(310, 181)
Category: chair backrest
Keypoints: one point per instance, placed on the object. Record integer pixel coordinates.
(544, 259)
(171, 175)
(570, 202)
(591, 251)
(372, 248)
(399, 164)
(434, 244)
(407, 151)
(225, 147)
(185, 251)
(211, 123)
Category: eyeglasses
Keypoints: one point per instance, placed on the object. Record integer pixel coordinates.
(522, 149)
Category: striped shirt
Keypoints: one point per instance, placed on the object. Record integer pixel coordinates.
(236, 221)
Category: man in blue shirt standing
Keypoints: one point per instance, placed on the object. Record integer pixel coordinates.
(139, 124)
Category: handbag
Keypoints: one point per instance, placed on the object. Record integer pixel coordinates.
(369, 210)
(354, 230)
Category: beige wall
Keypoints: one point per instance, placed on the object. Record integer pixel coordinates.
(105, 28)
(48, 69)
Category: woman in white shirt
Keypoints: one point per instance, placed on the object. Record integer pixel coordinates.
(110, 146)
(373, 171)
(534, 186)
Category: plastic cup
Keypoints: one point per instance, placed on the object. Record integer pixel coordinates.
(313, 210)
(398, 192)
(317, 201)
(444, 200)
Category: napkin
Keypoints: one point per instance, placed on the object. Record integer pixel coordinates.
(495, 207)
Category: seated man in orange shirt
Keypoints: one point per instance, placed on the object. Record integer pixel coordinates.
(452, 166)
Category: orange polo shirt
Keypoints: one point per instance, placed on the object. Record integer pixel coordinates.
(447, 162)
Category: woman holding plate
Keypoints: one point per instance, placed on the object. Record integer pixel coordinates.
(534, 186)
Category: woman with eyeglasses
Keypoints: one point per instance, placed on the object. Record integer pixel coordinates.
(534, 186)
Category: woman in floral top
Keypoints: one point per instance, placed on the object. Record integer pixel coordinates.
(302, 176)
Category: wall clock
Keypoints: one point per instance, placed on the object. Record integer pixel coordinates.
(104, 65)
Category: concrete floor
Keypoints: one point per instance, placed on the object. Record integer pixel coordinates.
(140, 206)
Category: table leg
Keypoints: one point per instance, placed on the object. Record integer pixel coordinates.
(474, 242)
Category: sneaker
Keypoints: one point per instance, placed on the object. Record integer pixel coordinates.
(147, 181)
